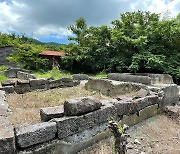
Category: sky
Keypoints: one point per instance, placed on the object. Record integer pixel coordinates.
(47, 20)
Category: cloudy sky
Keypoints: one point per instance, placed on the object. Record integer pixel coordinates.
(47, 20)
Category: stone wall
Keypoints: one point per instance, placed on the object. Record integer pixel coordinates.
(67, 134)
(23, 86)
(113, 88)
(158, 78)
(81, 122)
(7, 137)
(12, 72)
(129, 78)
(144, 78)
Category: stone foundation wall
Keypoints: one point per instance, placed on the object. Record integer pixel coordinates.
(129, 78)
(23, 86)
(144, 78)
(113, 88)
(68, 129)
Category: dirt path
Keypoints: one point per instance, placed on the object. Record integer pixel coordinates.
(157, 135)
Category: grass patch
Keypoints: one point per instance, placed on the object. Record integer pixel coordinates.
(100, 75)
(2, 76)
(55, 73)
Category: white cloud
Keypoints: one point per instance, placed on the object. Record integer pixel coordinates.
(46, 17)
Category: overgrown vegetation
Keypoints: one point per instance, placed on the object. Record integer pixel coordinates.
(137, 42)
(2, 76)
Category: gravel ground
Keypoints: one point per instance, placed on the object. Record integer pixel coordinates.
(157, 135)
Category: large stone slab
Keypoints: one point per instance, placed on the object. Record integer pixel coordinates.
(80, 77)
(51, 112)
(3, 104)
(171, 95)
(22, 88)
(7, 89)
(129, 78)
(7, 139)
(25, 75)
(39, 84)
(133, 107)
(68, 126)
(34, 134)
(143, 114)
(113, 88)
(55, 83)
(67, 82)
(9, 83)
(12, 72)
(81, 106)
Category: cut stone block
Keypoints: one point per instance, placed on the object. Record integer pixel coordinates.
(3, 104)
(132, 107)
(8, 89)
(171, 95)
(38, 82)
(9, 83)
(141, 103)
(55, 83)
(34, 134)
(68, 126)
(51, 112)
(80, 77)
(20, 82)
(143, 93)
(124, 107)
(12, 72)
(129, 78)
(7, 139)
(144, 114)
(81, 106)
(21, 89)
(25, 75)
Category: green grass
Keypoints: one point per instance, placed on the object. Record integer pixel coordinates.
(55, 73)
(61, 73)
(2, 76)
(100, 75)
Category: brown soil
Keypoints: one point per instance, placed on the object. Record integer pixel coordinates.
(157, 135)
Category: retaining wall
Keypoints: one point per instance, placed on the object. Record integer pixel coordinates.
(62, 133)
(23, 86)
(144, 78)
(113, 88)
(81, 122)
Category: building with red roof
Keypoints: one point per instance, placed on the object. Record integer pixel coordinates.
(54, 57)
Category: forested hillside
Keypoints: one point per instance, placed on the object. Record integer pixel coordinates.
(137, 42)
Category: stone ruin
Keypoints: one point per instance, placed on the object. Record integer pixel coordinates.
(24, 82)
(82, 122)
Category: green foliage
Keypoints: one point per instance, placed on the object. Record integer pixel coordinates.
(2, 76)
(27, 56)
(26, 50)
(138, 42)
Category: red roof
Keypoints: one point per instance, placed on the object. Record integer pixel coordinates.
(53, 53)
